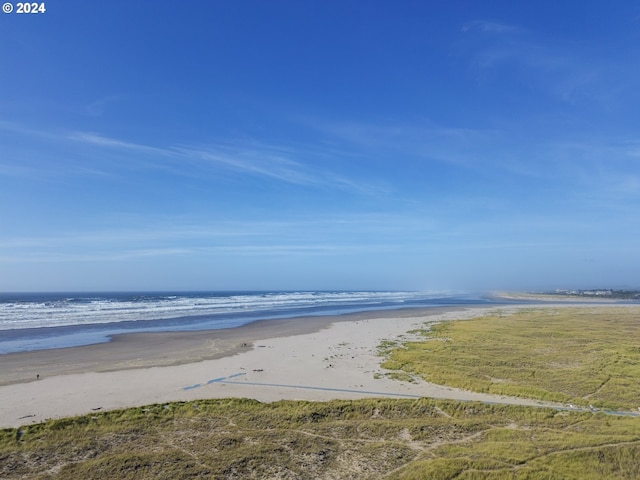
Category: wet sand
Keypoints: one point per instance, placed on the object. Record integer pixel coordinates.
(144, 350)
(316, 359)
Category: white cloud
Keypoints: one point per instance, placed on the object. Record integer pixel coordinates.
(293, 165)
(102, 141)
(301, 165)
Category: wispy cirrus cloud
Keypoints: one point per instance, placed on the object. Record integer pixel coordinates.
(102, 141)
(293, 165)
(201, 253)
(570, 72)
(398, 234)
(172, 237)
(586, 166)
(419, 139)
(301, 165)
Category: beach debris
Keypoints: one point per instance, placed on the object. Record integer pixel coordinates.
(258, 369)
(96, 409)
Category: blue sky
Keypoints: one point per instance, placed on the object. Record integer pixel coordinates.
(219, 145)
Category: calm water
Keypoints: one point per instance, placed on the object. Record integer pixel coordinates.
(37, 321)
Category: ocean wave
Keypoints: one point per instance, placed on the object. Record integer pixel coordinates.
(58, 310)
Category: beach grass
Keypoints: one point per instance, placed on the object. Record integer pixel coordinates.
(579, 355)
(584, 356)
(361, 439)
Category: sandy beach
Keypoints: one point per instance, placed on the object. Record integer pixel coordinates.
(317, 358)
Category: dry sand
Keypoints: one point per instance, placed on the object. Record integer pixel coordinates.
(311, 359)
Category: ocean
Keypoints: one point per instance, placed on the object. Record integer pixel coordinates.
(37, 321)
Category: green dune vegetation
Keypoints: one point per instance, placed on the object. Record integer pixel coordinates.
(363, 439)
(583, 356)
(578, 355)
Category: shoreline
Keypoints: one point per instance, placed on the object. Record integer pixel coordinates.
(333, 357)
(159, 349)
(330, 357)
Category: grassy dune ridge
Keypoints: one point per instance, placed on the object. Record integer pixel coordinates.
(372, 438)
(578, 355)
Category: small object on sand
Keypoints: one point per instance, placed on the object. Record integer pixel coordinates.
(38, 376)
(96, 409)
(258, 370)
